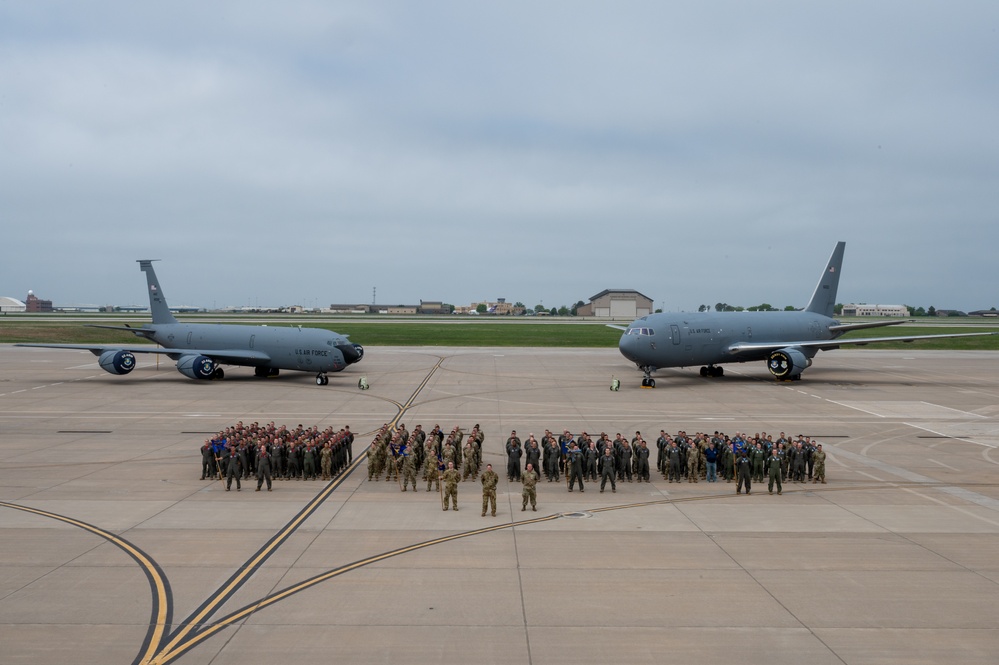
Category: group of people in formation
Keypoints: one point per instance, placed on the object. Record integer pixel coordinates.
(679, 457)
(275, 452)
(741, 458)
(402, 455)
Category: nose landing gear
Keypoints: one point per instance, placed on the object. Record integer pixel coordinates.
(648, 381)
(321, 379)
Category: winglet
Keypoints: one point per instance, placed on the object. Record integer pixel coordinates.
(157, 302)
(824, 298)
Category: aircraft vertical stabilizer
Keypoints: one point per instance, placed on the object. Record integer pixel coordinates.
(157, 302)
(824, 298)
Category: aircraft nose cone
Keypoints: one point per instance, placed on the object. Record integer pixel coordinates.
(351, 352)
(627, 345)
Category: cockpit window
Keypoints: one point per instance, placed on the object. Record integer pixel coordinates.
(641, 331)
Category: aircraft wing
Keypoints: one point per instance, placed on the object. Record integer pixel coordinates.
(225, 355)
(827, 344)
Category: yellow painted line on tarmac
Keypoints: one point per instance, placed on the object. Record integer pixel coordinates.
(222, 595)
(161, 596)
(403, 408)
(243, 613)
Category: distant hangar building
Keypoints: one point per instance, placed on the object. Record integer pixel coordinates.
(876, 310)
(617, 304)
(11, 305)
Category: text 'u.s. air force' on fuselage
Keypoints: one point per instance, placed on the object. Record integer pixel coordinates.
(200, 349)
(787, 341)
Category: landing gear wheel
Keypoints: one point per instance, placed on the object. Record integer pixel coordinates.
(652, 383)
(321, 380)
(218, 374)
(705, 371)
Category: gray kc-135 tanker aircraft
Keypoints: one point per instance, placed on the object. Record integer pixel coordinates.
(201, 348)
(786, 340)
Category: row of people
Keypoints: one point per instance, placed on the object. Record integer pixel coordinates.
(271, 451)
(678, 457)
(740, 458)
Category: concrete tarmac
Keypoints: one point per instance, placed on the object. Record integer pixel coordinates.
(112, 550)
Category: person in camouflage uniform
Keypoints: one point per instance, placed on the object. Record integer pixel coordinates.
(820, 465)
(489, 481)
(451, 478)
(468, 461)
(430, 468)
(373, 470)
(408, 464)
(693, 459)
(530, 481)
(326, 461)
(447, 453)
(392, 460)
(477, 438)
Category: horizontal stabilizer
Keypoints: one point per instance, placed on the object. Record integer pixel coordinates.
(844, 327)
(142, 332)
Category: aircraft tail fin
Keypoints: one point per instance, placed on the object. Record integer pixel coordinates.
(157, 302)
(824, 298)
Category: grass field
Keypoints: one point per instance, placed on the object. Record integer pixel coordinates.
(484, 333)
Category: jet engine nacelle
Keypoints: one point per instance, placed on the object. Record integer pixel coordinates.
(787, 363)
(117, 362)
(196, 367)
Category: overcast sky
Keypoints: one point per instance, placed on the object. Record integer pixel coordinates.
(306, 152)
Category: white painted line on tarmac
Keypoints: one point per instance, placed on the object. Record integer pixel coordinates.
(966, 413)
(955, 438)
(946, 466)
(959, 492)
(950, 505)
(857, 408)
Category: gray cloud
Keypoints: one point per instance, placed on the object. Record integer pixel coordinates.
(306, 152)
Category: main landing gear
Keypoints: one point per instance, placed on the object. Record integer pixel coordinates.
(712, 371)
(321, 379)
(648, 381)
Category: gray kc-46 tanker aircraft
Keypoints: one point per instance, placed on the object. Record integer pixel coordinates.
(787, 341)
(201, 348)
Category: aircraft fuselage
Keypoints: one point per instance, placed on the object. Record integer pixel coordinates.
(306, 349)
(688, 339)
